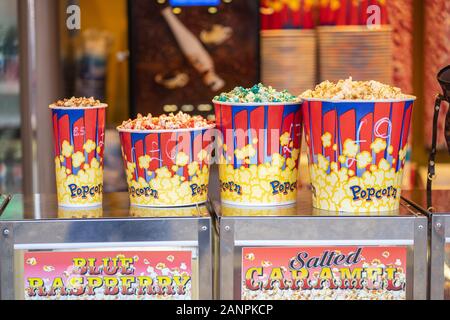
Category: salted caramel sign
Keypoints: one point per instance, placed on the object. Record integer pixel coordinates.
(146, 275)
(349, 273)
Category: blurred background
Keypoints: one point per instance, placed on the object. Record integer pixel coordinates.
(155, 56)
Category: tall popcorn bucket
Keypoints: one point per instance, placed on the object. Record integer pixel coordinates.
(166, 168)
(79, 141)
(259, 151)
(356, 151)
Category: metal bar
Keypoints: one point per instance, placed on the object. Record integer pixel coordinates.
(420, 264)
(39, 86)
(226, 270)
(205, 277)
(437, 252)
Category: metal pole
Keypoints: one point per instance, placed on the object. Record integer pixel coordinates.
(39, 86)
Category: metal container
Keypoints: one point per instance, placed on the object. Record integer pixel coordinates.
(164, 243)
(255, 238)
(436, 204)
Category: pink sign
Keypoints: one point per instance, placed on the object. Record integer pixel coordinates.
(116, 275)
(330, 273)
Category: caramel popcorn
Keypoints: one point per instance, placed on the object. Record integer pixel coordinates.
(77, 102)
(355, 90)
(166, 122)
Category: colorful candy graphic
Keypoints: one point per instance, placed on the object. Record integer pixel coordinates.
(356, 153)
(79, 135)
(259, 153)
(166, 168)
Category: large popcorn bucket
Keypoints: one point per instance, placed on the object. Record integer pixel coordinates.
(259, 152)
(79, 135)
(166, 168)
(356, 152)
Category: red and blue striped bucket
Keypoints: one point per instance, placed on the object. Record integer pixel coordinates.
(79, 141)
(166, 168)
(259, 151)
(356, 152)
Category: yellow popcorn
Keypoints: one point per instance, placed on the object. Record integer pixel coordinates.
(335, 147)
(267, 183)
(144, 162)
(326, 140)
(322, 162)
(384, 165)
(77, 159)
(378, 189)
(277, 160)
(192, 168)
(342, 159)
(182, 159)
(363, 159)
(202, 155)
(89, 146)
(350, 148)
(378, 145)
(255, 140)
(80, 189)
(390, 149)
(174, 168)
(66, 149)
(284, 139)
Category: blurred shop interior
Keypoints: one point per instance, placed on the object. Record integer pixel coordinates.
(150, 56)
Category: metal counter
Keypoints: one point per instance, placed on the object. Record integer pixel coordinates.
(36, 226)
(437, 206)
(269, 231)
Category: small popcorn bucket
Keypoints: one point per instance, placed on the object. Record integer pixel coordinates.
(166, 168)
(356, 152)
(79, 135)
(259, 151)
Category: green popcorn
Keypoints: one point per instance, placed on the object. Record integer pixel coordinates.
(258, 93)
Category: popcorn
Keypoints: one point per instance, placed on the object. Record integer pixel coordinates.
(326, 139)
(355, 90)
(48, 268)
(264, 183)
(166, 122)
(89, 146)
(338, 189)
(257, 93)
(350, 148)
(378, 145)
(67, 149)
(182, 159)
(77, 102)
(31, 261)
(250, 256)
(160, 266)
(89, 177)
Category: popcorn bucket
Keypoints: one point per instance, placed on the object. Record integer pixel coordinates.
(166, 168)
(79, 135)
(259, 152)
(356, 152)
